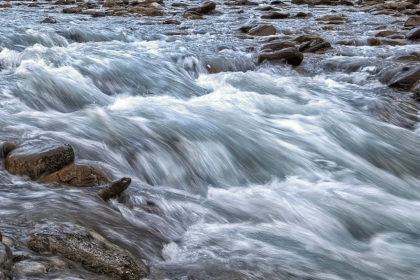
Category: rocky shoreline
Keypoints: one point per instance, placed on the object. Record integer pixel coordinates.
(54, 163)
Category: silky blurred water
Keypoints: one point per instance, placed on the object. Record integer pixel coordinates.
(256, 172)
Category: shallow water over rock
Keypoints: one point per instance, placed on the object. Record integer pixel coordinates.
(239, 170)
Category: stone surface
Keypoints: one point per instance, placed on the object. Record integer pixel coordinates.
(95, 255)
(412, 21)
(314, 45)
(38, 157)
(406, 79)
(385, 33)
(277, 45)
(114, 188)
(5, 149)
(276, 15)
(82, 175)
(6, 257)
(262, 30)
(289, 55)
(414, 34)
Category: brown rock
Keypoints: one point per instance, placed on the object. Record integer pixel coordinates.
(196, 13)
(72, 10)
(331, 17)
(37, 158)
(374, 42)
(114, 188)
(148, 11)
(262, 30)
(385, 33)
(277, 45)
(289, 55)
(1, 237)
(412, 21)
(82, 175)
(109, 4)
(192, 15)
(33, 5)
(171, 21)
(94, 254)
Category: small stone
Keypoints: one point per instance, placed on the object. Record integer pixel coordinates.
(49, 20)
(72, 10)
(6, 257)
(114, 189)
(171, 21)
(314, 45)
(385, 33)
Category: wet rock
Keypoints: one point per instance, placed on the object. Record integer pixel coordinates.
(391, 42)
(81, 175)
(6, 257)
(289, 55)
(148, 11)
(303, 15)
(114, 188)
(412, 21)
(72, 10)
(81, 247)
(171, 21)
(33, 5)
(385, 33)
(49, 20)
(241, 3)
(277, 45)
(407, 79)
(38, 157)
(331, 17)
(374, 42)
(5, 275)
(1, 237)
(246, 28)
(262, 30)
(6, 6)
(314, 45)
(5, 149)
(192, 15)
(276, 15)
(276, 2)
(205, 9)
(179, 5)
(29, 269)
(414, 34)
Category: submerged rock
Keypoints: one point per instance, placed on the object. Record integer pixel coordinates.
(385, 33)
(262, 30)
(6, 257)
(205, 9)
(289, 55)
(276, 15)
(95, 255)
(314, 45)
(81, 175)
(114, 188)
(37, 158)
(49, 20)
(406, 79)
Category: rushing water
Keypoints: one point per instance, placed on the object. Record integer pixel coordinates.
(256, 172)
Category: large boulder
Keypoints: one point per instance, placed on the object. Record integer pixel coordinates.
(114, 188)
(414, 34)
(262, 30)
(406, 79)
(412, 21)
(84, 174)
(39, 157)
(289, 55)
(96, 255)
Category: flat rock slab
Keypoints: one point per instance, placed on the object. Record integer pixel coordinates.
(39, 157)
(95, 255)
(85, 174)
